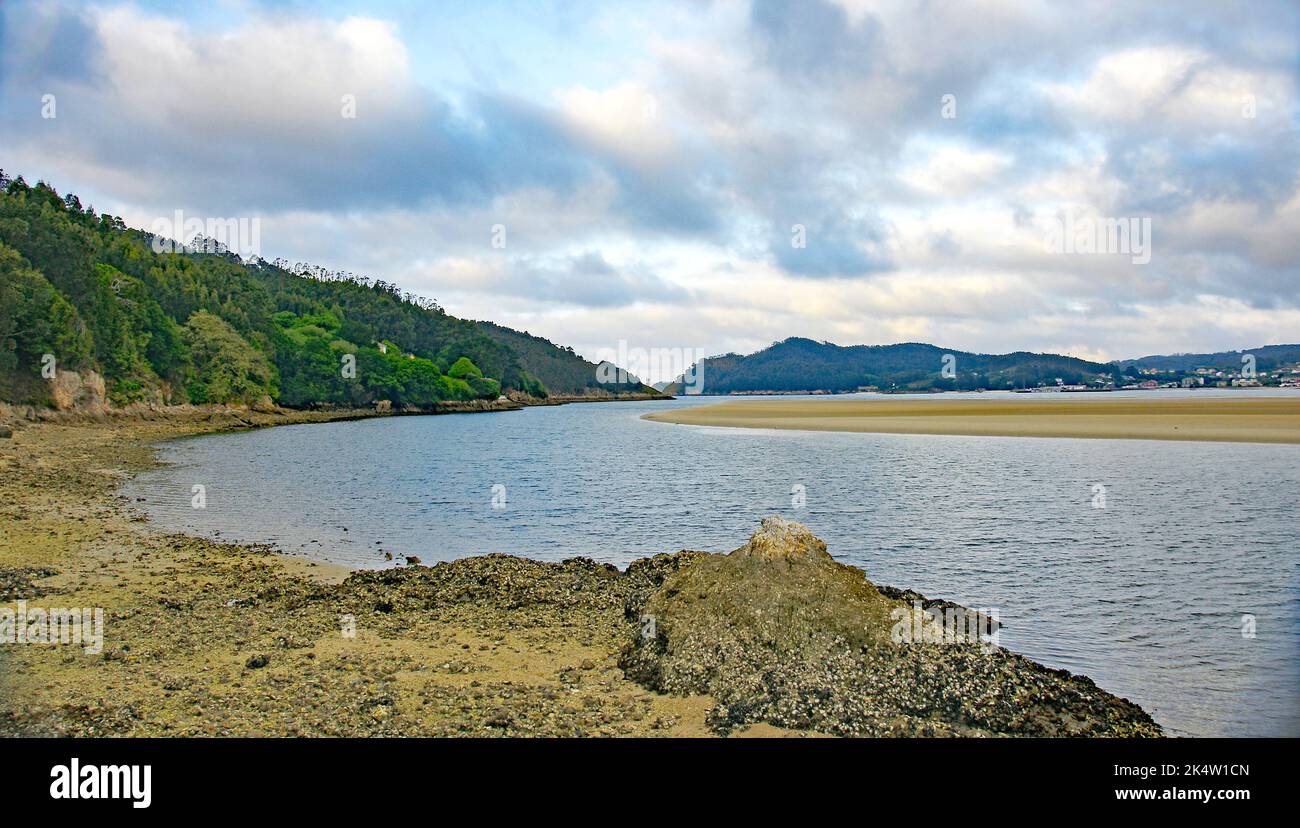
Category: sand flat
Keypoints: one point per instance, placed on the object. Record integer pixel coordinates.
(1235, 419)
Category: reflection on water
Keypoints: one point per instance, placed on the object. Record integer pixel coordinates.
(1147, 595)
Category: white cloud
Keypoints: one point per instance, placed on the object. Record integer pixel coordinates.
(269, 75)
(1174, 86)
(625, 119)
(950, 170)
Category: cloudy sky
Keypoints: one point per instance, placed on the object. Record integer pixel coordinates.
(709, 175)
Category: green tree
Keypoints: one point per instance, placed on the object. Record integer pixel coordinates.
(34, 320)
(227, 369)
(463, 368)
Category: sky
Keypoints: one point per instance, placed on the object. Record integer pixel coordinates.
(711, 176)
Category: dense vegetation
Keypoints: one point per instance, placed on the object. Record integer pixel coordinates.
(201, 325)
(799, 364)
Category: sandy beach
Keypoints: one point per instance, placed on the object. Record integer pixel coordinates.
(1243, 420)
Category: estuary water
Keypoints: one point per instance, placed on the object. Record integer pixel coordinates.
(1168, 572)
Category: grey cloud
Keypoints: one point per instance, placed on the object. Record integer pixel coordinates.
(588, 280)
(42, 45)
(812, 38)
(836, 247)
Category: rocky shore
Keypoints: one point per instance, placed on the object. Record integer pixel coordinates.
(779, 632)
(203, 638)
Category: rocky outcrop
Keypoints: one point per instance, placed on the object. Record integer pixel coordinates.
(776, 632)
(779, 632)
(70, 390)
(778, 539)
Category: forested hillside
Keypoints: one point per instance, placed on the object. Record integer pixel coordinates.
(1268, 357)
(557, 366)
(87, 293)
(798, 364)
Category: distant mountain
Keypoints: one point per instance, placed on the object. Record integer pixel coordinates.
(1267, 358)
(798, 364)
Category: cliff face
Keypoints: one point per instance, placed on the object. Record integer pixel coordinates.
(779, 632)
(70, 390)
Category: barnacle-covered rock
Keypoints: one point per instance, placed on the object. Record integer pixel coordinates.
(779, 632)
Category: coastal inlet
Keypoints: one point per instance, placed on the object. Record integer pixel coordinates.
(1145, 589)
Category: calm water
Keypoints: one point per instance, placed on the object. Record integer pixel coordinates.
(1146, 595)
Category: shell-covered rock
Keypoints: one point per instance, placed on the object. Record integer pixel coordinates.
(779, 632)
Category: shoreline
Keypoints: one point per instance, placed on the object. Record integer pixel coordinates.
(1266, 420)
(187, 619)
(209, 638)
(237, 417)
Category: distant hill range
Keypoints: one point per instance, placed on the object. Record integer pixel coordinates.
(1267, 357)
(804, 365)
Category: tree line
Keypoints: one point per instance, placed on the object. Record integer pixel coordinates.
(201, 325)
